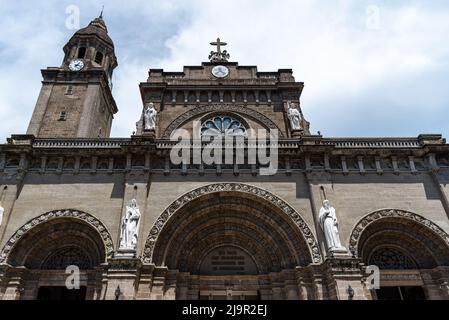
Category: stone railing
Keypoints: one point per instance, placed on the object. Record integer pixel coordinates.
(80, 143)
(230, 82)
(373, 142)
(281, 144)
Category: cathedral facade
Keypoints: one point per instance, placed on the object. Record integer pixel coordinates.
(222, 192)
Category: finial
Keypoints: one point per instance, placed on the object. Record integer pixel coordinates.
(101, 14)
(217, 56)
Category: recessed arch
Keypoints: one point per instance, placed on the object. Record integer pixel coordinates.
(78, 229)
(231, 214)
(421, 241)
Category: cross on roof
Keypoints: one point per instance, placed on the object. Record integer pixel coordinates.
(219, 56)
(218, 43)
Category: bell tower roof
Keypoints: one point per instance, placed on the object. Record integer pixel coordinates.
(96, 27)
(92, 44)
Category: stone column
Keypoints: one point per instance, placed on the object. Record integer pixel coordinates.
(309, 287)
(182, 286)
(13, 282)
(121, 277)
(344, 278)
(436, 283)
(170, 285)
(145, 282)
(158, 285)
(30, 285)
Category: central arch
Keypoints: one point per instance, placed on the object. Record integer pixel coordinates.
(233, 215)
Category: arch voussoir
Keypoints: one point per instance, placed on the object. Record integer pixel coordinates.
(291, 214)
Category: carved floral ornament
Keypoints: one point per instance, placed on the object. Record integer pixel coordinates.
(219, 187)
(392, 213)
(76, 214)
(185, 117)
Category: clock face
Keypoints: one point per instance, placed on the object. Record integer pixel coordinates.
(76, 65)
(220, 71)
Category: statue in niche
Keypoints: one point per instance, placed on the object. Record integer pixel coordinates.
(149, 116)
(130, 226)
(329, 225)
(294, 116)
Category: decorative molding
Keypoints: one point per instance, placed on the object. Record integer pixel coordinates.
(69, 213)
(117, 264)
(84, 143)
(384, 143)
(392, 213)
(387, 275)
(344, 264)
(391, 258)
(183, 118)
(236, 187)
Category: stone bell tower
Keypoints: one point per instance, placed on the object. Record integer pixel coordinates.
(76, 99)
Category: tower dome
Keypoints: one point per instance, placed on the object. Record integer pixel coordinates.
(93, 45)
(96, 27)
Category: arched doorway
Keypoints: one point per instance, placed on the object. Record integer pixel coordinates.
(232, 242)
(411, 252)
(38, 255)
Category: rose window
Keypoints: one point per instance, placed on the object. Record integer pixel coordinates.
(222, 126)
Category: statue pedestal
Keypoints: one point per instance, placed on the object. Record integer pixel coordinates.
(296, 133)
(339, 252)
(122, 273)
(125, 253)
(149, 133)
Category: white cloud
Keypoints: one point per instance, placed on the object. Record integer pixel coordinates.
(330, 48)
(327, 45)
(348, 69)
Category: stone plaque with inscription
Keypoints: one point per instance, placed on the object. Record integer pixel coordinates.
(228, 260)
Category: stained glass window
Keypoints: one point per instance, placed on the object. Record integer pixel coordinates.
(222, 126)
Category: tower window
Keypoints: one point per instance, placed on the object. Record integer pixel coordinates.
(99, 58)
(62, 116)
(81, 53)
(69, 90)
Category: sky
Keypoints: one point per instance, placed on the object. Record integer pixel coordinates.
(370, 68)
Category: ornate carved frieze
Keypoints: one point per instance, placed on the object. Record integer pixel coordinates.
(344, 264)
(118, 264)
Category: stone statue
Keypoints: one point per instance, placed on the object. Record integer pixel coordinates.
(329, 225)
(149, 115)
(294, 116)
(130, 226)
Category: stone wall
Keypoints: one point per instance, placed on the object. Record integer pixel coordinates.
(103, 196)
